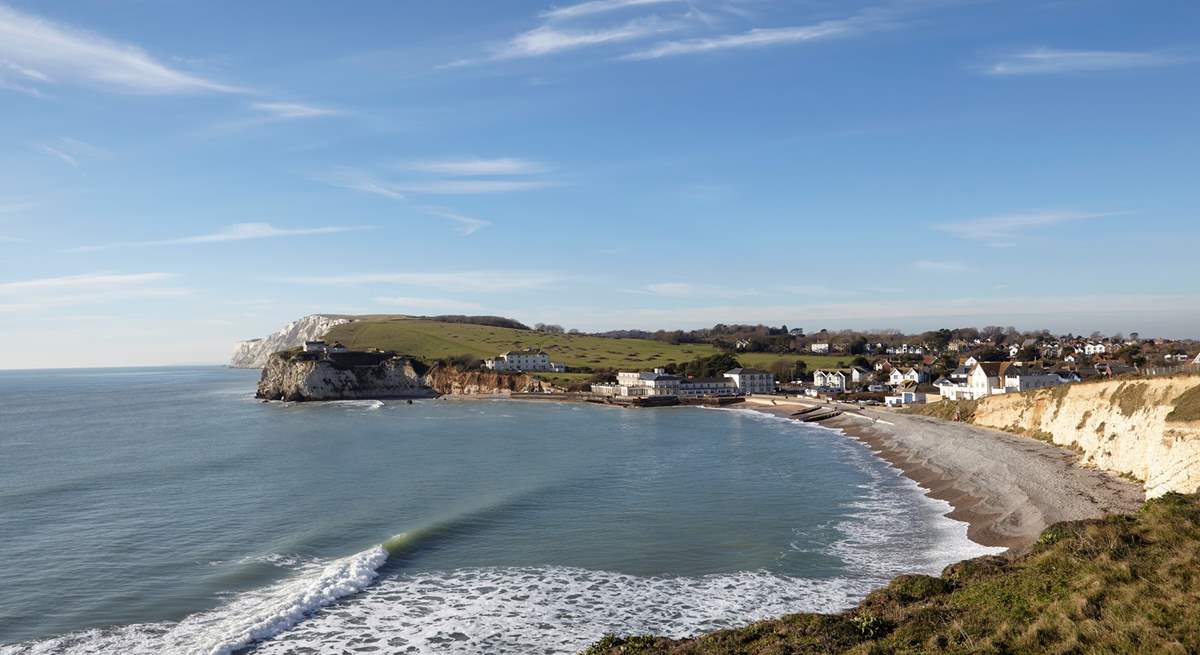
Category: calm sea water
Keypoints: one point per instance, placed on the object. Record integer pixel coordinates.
(165, 510)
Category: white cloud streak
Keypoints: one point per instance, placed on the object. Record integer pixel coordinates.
(938, 266)
(467, 225)
(755, 38)
(293, 110)
(489, 281)
(1049, 61)
(570, 12)
(443, 304)
(551, 39)
(366, 183)
(236, 232)
(1005, 230)
(478, 167)
(91, 281)
(42, 52)
(59, 155)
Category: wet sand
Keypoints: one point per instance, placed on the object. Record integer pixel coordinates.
(1006, 487)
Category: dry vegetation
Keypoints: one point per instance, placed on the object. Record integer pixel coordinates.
(1123, 584)
(962, 411)
(1187, 406)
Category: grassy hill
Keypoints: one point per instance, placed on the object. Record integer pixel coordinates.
(1123, 584)
(429, 340)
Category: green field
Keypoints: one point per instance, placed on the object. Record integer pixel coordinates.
(429, 340)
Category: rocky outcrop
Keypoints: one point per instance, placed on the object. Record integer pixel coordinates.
(1123, 426)
(451, 381)
(289, 377)
(295, 377)
(253, 353)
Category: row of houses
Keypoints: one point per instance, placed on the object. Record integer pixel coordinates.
(982, 379)
(642, 384)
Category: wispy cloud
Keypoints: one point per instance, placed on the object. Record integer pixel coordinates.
(236, 232)
(1047, 61)
(866, 20)
(58, 154)
(582, 9)
(360, 181)
(551, 39)
(291, 110)
(478, 166)
(939, 266)
(71, 151)
(444, 304)
(691, 290)
(490, 281)
(755, 38)
(467, 225)
(43, 53)
(1007, 229)
(40, 294)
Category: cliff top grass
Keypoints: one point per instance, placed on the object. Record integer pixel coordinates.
(1187, 406)
(1123, 584)
(430, 340)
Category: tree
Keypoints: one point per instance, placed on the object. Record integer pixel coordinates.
(711, 366)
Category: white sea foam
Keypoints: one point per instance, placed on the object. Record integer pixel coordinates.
(247, 618)
(550, 609)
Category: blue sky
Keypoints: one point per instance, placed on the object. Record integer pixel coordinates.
(178, 175)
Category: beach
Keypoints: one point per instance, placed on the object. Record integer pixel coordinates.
(1006, 487)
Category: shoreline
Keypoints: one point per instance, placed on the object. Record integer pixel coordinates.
(1006, 488)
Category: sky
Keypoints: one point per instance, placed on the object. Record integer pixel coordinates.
(176, 176)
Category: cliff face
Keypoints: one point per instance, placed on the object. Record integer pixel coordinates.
(469, 383)
(254, 352)
(291, 378)
(285, 378)
(1118, 426)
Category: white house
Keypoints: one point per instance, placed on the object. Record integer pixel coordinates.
(819, 348)
(905, 397)
(751, 380)
(1094, 349)
(834, 380)
(524, 360)
(1197, 360)
(841, 379)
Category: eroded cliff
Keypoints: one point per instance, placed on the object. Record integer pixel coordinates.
(292, 376)
(286, 377)
(1147, 428)
(454, 382)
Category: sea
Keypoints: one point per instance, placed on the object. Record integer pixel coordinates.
(165, 510)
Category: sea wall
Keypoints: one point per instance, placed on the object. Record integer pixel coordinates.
(1123, 426)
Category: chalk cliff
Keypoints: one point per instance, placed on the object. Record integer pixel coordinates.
(292, 376)
(253, 353)
(1125, 426)
(288, 377)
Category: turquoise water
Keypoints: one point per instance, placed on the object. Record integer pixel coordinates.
(165, 510)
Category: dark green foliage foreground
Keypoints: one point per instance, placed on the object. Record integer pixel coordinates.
(1124, 584)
